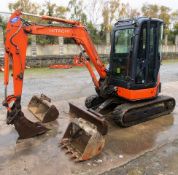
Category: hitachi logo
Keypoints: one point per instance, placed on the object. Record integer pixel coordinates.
(59, 31)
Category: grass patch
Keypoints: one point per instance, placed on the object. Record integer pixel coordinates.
(170, 61)
(47, 71)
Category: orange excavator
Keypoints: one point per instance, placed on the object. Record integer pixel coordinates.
(127, 91)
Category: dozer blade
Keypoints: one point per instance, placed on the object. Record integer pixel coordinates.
(42, 109)
(26, 128)
(84, 137)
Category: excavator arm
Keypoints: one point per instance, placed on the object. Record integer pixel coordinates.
(16, 46)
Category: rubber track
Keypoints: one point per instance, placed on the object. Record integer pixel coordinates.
(124, 114)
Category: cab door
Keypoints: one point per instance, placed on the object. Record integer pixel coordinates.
(148, 56)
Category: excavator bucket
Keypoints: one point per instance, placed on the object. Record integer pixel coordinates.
(84, 136)
(42, 109)
(26, 128)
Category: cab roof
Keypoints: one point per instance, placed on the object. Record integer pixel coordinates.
(137, 20)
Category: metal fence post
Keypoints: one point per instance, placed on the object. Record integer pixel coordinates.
(1, 45)
(61, 46)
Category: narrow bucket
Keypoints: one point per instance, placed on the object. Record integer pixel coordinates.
(27, 129)
(42, 109)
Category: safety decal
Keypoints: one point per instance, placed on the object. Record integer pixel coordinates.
(14, 20)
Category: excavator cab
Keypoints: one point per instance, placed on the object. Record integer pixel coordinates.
(135, 53)
(129, 93)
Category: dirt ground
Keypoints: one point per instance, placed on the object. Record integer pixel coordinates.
(147, 148)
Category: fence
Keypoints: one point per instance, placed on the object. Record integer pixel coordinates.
(72, 49)
(46, 55)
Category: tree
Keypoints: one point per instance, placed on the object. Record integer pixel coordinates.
(24, 5)
(97, 35)
(174, 16)
(156, 11)
(150, 10)
(28, 7)
(52, 9)
(94, 11)
(2, 23)
(166, 17)
(48, 8)
(76, 10)
(175, 29)
(130, 12)
(112, 11)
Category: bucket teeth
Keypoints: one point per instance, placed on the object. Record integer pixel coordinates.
(69, 149)
(63, 141)
(75, 156)
(64, 145)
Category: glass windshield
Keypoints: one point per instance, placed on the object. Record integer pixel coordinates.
(123, 41)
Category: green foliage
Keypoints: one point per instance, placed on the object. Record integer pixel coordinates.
(3, 23)
(24, 5)
(52, 9)
(173, 33)
(76, 11)
(111, 11)
(156, 11)
(176, 28)
(97, 36)
(150, 10)
(107, 12)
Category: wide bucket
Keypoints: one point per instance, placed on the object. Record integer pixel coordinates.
(84, 136)
(82, 140)
(42, 109)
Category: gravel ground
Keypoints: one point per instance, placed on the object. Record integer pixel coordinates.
(150, 148)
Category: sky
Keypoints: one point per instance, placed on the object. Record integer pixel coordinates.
(173, 4)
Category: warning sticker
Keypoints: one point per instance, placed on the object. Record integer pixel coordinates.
(14, 20)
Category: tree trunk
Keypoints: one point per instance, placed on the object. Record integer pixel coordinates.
(108, 38)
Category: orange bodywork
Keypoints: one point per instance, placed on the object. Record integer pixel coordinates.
(15, 48)
(77, 61)
(16, 45)
(139, 94)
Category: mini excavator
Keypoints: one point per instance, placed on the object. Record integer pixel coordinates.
(128, 91)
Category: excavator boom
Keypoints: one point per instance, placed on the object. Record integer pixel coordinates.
(16, 49)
